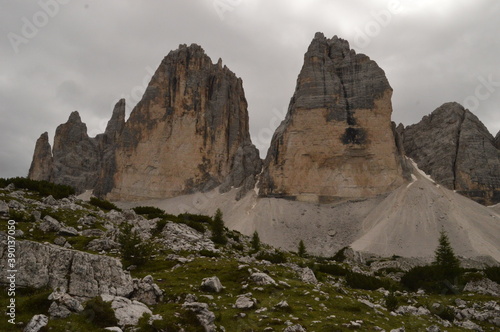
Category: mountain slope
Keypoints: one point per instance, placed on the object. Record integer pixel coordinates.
(408, 222)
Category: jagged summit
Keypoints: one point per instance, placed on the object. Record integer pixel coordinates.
(337, 138)
(457, 150)
(188, 133)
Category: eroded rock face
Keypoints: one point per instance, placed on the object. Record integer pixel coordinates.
(186, 132)
(454, 147)
(79, 273)
(41, 166)
(337, 139)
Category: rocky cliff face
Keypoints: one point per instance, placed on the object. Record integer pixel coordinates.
(42, 164)
(337, 139)
(457, 150)
(497, 140)
(188, 133)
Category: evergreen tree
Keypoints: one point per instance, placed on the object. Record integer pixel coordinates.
(302, 249)
(445, 260)
(134, 250)
(255, 241)
(218, 232)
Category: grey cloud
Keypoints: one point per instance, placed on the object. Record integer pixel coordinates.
(93, 53)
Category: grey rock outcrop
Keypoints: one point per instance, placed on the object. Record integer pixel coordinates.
(42, 163)
(497, 140)
(337, 139)
(79, 273)
(455, 148)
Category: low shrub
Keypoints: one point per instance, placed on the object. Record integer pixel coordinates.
(100, 312)
(209, 253)
(493, 273)
(332, 269)
(361, 281)
(391, 302)
(275, 257)
(44, 188)
(150, 212)
(340, 255)
(103, 204)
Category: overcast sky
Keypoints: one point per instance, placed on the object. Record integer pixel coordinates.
(61, 55)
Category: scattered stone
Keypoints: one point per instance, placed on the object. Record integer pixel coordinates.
(294, 328)
(282, 305)
(114, 329)
(433, 328)
(49, 200)
(36, 323)
(411, 310)
(212, 284)
(205, 316)
(49, 224)
(484, 286)
(60, 241)
(68, 231)
(468, 325)
(4, 208)
(245, 301)
(103, 244)
(262, 279)
(307, 276)
(146, 291)
(66, 300)
(58, 311)
(127, 312)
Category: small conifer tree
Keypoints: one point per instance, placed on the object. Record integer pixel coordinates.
(302, 249)
(218, 232)
(445, 259)
(255, 241)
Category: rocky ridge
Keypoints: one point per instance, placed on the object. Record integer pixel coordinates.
(455, 148)
(337, 139)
